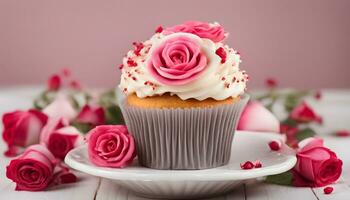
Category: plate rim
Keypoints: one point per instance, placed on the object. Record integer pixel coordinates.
(183, 175)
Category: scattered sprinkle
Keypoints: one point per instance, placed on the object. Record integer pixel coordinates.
(247, 165)
(138, 47)
(131, 63)
(274, 145)
(342, 133)
(258, 164)
(159, 29)
(328, 190)
(318, 95)
(121, 66)
(222, 54)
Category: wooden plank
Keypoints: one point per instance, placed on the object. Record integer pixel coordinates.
(85, 189)
(264, 191)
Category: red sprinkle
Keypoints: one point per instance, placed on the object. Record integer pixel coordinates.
(222, 54)
(342, 133)
(121, 66)
(258, 164)
(328, 190)
(131, 62)
(271, 82)
(247, 165)
(159, 29)
(223, 78)
(134, 78)
(318, 95)
(274, 146)
(138, 47)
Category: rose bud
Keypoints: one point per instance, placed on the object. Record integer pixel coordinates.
(255, 117)
(54, 82)
(93, 115)
(33, 170)
(22, 128)
(316, 165)
(304, 113)
(61, 107)
(111, 146)
(52, 125)
(62, 140)
(271, 83)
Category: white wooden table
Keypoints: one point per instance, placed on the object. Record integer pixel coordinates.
(334, 107)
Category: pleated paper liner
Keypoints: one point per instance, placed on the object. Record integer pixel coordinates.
(177, 138)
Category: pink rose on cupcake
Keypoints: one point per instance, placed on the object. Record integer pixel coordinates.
(111, 146)
(22, 128)
(214, 32)
(177, 60)
(33, 170)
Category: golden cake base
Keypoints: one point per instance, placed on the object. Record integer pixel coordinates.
(168, 101)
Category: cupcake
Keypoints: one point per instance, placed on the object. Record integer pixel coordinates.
(182, 93)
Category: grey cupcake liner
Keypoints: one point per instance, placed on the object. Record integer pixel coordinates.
(177, 138)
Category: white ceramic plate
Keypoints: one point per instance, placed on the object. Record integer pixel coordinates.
(195, 183)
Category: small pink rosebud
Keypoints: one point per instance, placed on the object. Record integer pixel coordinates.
(54, 82)
(93, 115)
(271, 82)
(303, 113)
(316, 165)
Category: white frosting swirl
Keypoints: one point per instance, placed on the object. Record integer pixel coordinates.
(219, 81)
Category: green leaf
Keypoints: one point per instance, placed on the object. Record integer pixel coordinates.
(305, 133)
(82, 127)
(290, 122)
(114, 115)
(280, 179)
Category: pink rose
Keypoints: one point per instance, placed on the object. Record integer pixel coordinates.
(111, 146)
(22, 128)
(93, 115)
(255, 117)
(177, 61)
(316, 166)
(54, 82)
(52, 125)
(304, 113)
(214, 32)
(63, 140)
(33, 170)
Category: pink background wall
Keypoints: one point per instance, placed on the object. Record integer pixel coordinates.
(305, 43)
